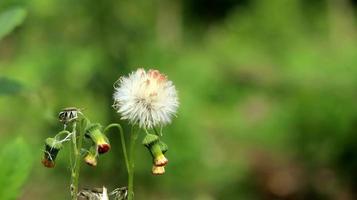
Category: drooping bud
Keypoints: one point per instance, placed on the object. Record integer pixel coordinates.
(100, 140)
(52, 147)
(152, 142)
(158, 170)
(91, 156)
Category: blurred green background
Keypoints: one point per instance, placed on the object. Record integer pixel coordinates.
(268, 94)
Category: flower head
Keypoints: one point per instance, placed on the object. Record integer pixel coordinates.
(145, 98)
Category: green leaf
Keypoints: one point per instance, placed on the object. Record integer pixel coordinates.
(10, 19)
(9, 86)
(16, 161)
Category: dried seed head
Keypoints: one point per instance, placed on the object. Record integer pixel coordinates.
(68, 115)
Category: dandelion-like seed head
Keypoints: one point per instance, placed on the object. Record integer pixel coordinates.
(148, 99)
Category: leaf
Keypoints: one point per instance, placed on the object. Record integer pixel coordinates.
(10, 19)
(9, 86)
(16, 161)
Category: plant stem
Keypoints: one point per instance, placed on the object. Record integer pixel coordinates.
(122, 142)
(133, 138)
(73, 187)
(76, 147)
(157, 132)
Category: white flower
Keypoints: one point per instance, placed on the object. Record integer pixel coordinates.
(146, 98)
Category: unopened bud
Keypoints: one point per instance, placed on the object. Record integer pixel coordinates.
(99, 139)
(152, 142)
(52, 147)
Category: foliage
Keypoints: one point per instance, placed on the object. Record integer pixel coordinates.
(10, 19)
(16, 162)
(9, 87)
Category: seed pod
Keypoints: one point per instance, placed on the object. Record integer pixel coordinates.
(68, 114)
(52, 147)
(100, 140)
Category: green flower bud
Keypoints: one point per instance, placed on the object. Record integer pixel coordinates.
(100, 140)
(152, 142)
(52, 147)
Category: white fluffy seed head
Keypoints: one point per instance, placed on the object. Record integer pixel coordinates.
(146, 98)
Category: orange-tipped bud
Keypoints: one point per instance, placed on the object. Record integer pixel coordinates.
(99, 139)
(48, 163)
(160, 160)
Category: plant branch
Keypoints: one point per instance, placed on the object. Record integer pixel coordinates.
(77, 146)
(121, 132)
(133, 138)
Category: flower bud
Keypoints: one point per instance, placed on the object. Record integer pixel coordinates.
(99, 139)
(91, 157)
(52, 147)
(158, 170)
(152, 142)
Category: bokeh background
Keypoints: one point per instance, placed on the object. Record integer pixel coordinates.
(268, 93)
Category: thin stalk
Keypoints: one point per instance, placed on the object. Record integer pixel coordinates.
(133, 138)
(157, 132)
(74, 154)
(123, 145)
(77, 146)
(61, 133)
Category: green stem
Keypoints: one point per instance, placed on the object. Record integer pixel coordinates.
(74, 187)
(77, 146)
(64, 139)
(133, 138)
(157, 132)
(122, 142)
(61, 133)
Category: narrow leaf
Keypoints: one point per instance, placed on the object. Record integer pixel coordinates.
(10, 19)
(9, 86)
